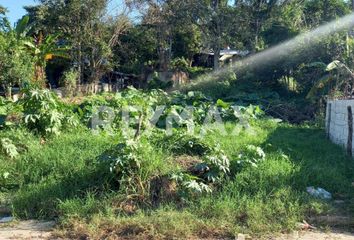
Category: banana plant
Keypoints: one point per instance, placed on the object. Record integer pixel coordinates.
(23, 27)
(338, 75)
(16, 64)
(43, 50)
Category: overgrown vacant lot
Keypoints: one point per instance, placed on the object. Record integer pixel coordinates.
(170, 119)
(99, 185)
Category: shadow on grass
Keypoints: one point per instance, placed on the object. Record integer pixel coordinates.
(41, 199)
(318, 162)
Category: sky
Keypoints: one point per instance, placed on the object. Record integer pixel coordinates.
(16, 11)
(15, 8)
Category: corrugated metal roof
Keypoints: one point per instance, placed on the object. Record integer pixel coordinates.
(230, 52)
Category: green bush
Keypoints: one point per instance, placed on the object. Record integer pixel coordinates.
(69, 81)
(16, 63)
(10, 113)
(179, 64)
(157, 83)
(195, 72)
(8, 148)
(45, 114)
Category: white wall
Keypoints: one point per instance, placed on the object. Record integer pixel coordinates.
(337, 121)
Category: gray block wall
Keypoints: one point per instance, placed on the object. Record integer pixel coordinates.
(337, 126)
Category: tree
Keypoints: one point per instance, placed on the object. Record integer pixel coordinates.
(176, 35)
(187, 41)
(4, 23)
(87, 28)
(159, 16)
(42, 51)
(256, 14)
(16, 64)
(136, 50)
(284, 22)
(215, 19)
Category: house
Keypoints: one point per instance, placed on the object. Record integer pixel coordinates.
(206, 58)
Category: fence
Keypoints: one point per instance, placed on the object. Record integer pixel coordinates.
(339, 123)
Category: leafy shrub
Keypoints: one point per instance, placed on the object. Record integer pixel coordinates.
(4, 104)
(133, 163)
(4, 110)
(4, 178)
(189, 184)
(251, 156)
(202, 108)
(69, 81)
(214, 165)
(181, 143)
(8, 148)
(157, 83)
(215, 86)
(16, 64)
(195, 72)
(10, 113)
(180, 110)
(179, 64)
(45, 114)
(137, 102)
(129, 162)
(88, 108)
(125, 160)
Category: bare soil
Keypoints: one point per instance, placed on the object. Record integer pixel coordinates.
(339, 228)
(26, 230)
(33, 230)
(316, 235)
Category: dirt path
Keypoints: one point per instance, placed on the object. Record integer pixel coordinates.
(33, 230)
(26, 230)
(316, 236)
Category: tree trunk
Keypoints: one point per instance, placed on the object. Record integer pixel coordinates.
(256, 39)
(39, 76)
(218, 37)
(216, 59)
(164, 48)
(80, 65)
(347, 44)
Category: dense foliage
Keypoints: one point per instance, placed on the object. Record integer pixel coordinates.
(142, 139)
(214, 158)
(169, 33)
(109, 179)
(16, 64)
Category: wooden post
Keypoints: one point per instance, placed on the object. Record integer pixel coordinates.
(329, 119)
(350, 131)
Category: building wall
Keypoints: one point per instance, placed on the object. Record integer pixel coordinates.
(337, 124)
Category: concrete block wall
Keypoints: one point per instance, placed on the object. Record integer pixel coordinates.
(337, 124)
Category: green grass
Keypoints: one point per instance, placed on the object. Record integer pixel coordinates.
(62, 167)
(63, 178)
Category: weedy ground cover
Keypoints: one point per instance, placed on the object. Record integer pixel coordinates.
(110, 184)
